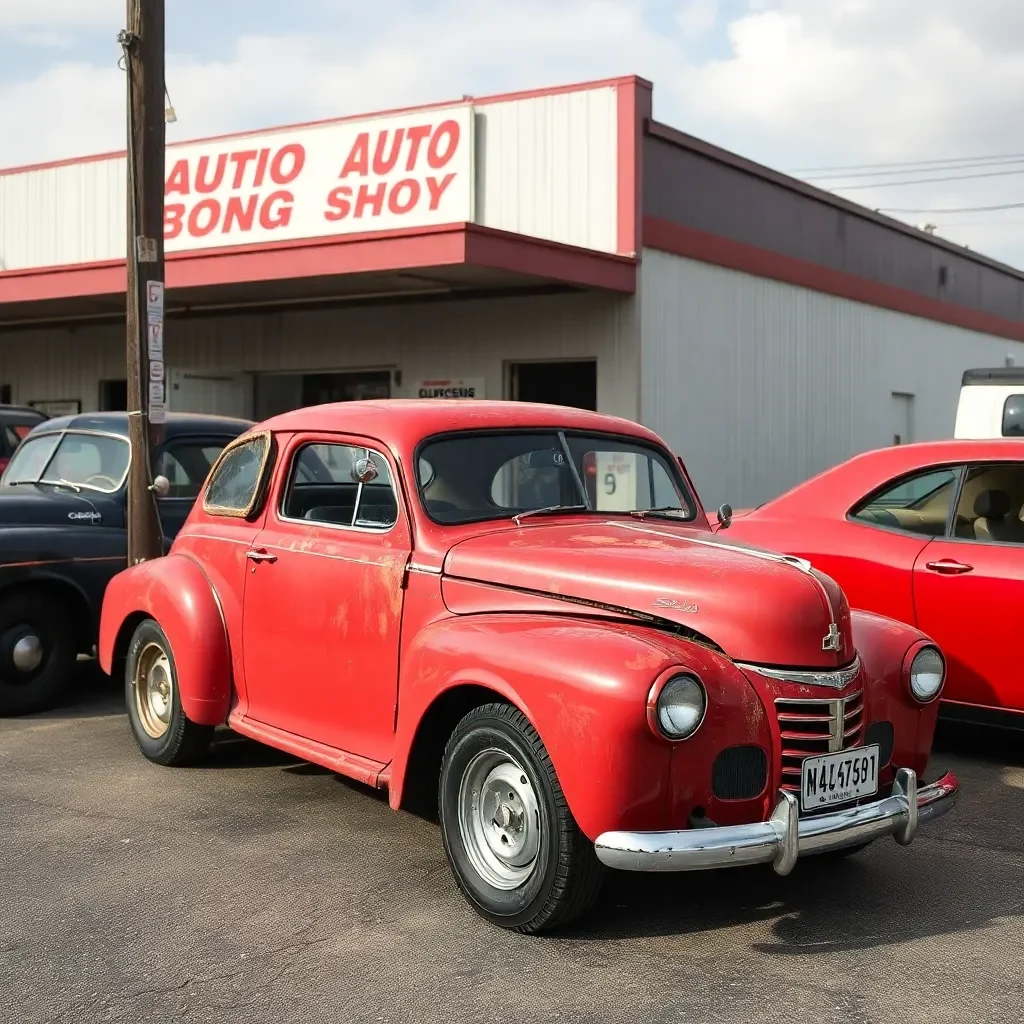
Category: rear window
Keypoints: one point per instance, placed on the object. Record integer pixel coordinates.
(1013, 416)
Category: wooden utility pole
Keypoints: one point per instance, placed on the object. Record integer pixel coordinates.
(142, 44)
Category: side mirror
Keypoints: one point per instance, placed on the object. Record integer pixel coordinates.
(364, 471)
(725, 516)
(160, 486)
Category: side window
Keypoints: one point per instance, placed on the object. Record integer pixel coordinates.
(325, 487)
(187, 464)
(234, 487)
(1013, 416)
(991, 504)
(918, 504)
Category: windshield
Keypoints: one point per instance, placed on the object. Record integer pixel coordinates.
(98, 462)
(475, 477)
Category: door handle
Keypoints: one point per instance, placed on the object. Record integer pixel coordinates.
(948, 567)
(260, 556)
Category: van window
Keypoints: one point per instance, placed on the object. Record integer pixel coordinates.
(1013, 416)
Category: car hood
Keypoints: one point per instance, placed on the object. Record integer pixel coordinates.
(757, 606)
(29, 505)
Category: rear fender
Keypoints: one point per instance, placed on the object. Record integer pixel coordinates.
(175, 592)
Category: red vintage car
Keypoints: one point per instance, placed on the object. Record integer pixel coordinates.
(519, 615)
(931, 534)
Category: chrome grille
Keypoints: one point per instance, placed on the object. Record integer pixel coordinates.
(818, 726)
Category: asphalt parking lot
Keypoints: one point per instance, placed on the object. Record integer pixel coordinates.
(258, 888)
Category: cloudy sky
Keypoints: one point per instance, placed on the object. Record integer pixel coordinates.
(928, 89)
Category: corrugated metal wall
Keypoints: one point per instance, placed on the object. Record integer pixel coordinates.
(547, 167)
(475, 338)
(759, 385)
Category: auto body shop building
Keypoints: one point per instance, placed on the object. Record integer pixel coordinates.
(556, 245)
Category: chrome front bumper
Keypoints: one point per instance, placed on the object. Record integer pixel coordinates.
(785, 836)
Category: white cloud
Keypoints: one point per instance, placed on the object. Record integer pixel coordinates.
(804, 83)
(66, 13)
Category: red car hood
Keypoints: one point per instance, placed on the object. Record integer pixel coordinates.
(756, 605)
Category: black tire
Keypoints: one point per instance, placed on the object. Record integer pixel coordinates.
(31, 613)
(182, 741)
(565, 875)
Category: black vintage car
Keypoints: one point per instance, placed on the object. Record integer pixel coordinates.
(63, 500)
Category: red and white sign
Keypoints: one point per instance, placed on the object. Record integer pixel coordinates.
(389, 173)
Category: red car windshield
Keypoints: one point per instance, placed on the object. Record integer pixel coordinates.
(477, 476)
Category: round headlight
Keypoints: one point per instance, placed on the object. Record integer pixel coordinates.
(681, 706)
(927, 672)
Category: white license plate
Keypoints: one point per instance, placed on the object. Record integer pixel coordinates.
(839, 778)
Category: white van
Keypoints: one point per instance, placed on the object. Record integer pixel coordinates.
(991, 403)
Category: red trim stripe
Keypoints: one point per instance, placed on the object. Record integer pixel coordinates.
(724, 252)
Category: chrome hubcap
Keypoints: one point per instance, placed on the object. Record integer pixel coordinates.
(27, 653)
(499, 819)
(154, 689)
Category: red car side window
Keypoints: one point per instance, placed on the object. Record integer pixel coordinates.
(237, 479)
(919, 503)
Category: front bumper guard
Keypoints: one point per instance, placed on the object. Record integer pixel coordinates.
(785, 836)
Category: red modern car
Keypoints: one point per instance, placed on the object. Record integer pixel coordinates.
(931, 534)
(519, 613)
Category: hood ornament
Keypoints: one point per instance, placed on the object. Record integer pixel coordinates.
(832, 640)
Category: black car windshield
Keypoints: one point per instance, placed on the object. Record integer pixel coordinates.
(473, 477)
(75, 459)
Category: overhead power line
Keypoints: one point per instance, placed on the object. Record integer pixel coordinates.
(907, 163)
(919, 169)
(948, 209)
(924, 181)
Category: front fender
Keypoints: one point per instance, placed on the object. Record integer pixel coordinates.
(883, 645)
(175, 592)
(583, 685)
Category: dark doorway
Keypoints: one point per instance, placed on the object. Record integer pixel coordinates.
(570, 383)
(321, 388)
(113, 395)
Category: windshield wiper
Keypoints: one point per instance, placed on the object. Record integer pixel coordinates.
(669, 511)
(547, 510)
(67, 483)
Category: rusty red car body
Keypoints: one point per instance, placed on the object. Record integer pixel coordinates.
(577, 687)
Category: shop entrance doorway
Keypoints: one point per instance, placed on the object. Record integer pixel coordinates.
(282, 392)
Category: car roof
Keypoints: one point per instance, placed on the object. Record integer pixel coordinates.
(178, 423)
(406, 421)
(861, 474)
(21, 414)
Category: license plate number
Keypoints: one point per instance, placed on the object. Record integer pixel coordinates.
(839, 778)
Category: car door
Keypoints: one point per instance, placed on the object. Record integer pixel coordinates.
(872, 554)
(323, 598)
(969, 589)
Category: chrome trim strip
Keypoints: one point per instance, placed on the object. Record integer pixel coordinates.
(785, 836)
(836, 679)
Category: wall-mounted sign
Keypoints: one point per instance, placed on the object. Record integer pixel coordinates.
(462, 387)
(58, 406)
(380, 174)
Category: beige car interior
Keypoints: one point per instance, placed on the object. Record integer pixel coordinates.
(992, 504)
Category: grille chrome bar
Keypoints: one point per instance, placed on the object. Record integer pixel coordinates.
(813, 726)
(836, 679)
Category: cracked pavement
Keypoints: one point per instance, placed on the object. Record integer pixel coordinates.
(259, 888)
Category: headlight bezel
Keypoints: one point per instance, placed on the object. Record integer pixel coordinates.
(919, 648)
(654, 703)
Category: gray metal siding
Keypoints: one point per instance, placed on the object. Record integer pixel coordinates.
(758, 385)
(685, 187)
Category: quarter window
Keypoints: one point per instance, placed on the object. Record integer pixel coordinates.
(918, 504)
(234, 486)
(991, 504)
(325, 487)
(1013, 416)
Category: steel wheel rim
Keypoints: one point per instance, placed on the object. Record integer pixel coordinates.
(153, 686)
(499, 819)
